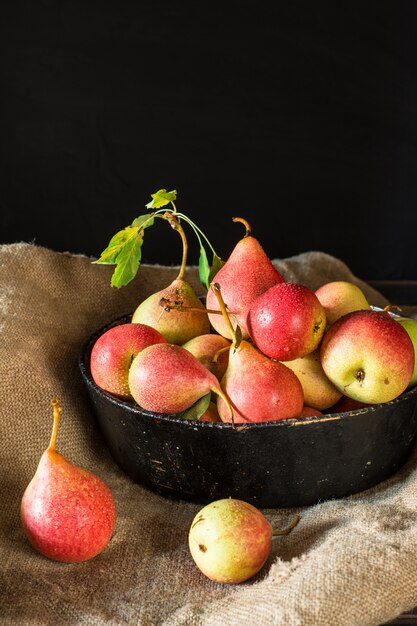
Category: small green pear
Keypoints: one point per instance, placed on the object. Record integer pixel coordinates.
(176, 311)
(230, 540)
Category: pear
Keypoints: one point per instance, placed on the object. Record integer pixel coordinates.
(319, 391)
(176, 311)
(247, 273)
(212, 351)
(67, 512)
(339, 297)
(259, 389)
(230, 540)
(166, 378)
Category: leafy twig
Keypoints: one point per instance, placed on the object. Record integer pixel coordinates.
(125, 247)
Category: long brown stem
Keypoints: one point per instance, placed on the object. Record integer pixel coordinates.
(217, 291)
(220, 352)
(175, 224)
(245, 223)
(57, 411)
(225, 398)
(391, 307)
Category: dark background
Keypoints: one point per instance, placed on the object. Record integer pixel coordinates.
(302, 118)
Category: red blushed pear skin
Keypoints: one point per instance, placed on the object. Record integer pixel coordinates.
(259, 389)
(368, 356)
(67, 512)
(247, 273)
(211, 414)
(113, 352)
(166, 378)
(287, 321)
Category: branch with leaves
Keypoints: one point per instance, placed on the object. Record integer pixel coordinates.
(125, 247)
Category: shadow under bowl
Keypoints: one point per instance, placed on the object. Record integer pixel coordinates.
(294, 462)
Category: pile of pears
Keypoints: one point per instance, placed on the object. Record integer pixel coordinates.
(215, 359)
(253, 347)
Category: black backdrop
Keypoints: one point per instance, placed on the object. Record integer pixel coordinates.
(302, 118)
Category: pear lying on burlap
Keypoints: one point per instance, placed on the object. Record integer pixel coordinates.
(67, 512)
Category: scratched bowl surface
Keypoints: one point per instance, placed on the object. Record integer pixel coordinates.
(294, 462)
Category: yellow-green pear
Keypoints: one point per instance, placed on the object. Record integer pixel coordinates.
(339, 297)
(176, 311)
(319, 391)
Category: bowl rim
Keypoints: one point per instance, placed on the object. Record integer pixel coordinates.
(84, 366)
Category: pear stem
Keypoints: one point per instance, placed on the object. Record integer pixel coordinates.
(175, 224)
(390, 307)
(216, 289)
(286, 531)
(223, 396)
(245, 223)
(169, 305)
(57, 410)
(220, 352)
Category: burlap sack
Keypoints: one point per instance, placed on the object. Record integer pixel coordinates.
(348, 562)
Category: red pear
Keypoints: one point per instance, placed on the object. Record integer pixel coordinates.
(113, 352)
(259, 389)
(368, 356)
(68, 513)
(247, 273)
(166, 378)
(287, 321)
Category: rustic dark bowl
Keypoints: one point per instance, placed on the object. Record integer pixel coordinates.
(294, 462)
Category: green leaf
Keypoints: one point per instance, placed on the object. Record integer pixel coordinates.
(161, 198)
(217, 264)
(127, 262)
(144, 221)
(206, 272)
(196, 411)
(204, 268)
(117, 243)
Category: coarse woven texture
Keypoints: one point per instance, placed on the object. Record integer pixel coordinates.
(348, 562)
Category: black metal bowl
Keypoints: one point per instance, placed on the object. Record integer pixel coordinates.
(294, 462)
